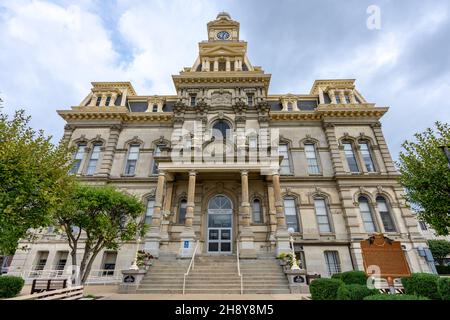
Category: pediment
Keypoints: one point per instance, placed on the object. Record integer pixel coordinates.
(222, 51)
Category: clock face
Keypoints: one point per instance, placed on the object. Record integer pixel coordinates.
(223, 35)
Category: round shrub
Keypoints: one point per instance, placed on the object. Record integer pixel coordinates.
(444, 288)
(351, 277)
(10, 286)
(325, 289)
(354, 292)
(422, 284)
(395, 297)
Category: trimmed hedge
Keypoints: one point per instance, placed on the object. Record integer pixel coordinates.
(443, 269)
(422, 284)
(325, 289)
(444, 288)
(10, 286)
(395, 297)
(355, 292)
(351, 277)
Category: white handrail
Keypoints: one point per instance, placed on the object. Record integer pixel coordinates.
(238, 265)
(191, 264)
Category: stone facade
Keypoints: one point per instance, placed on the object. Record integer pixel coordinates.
(331, 178)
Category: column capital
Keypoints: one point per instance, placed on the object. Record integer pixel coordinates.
(192, 172)
(244, 172)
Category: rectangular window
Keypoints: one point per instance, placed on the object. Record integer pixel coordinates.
(133, 154)
(365, 152)
(423, 225)
(311, 158)
(366, 215)
(385, 215)
(347, 99)
(99, 99)
(322, 216)
(193, 100)
(156, 153)
(332, 261)
(338, 98)
(149, 211)
(253, 143)
(41, 260)
(92, 165)
(350, 156)
(78, 158)
(290, 211)
(285, 166)
(232, 66)
(256, 211)
(109, 263)
(250, 99)
(222, 65)
(61, 261)
(108, 101)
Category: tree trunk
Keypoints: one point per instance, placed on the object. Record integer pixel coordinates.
(89, 265)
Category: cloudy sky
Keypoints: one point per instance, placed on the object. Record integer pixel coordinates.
(50, 51)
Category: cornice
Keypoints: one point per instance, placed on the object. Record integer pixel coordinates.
(116, 115)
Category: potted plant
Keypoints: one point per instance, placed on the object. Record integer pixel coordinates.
(283, 259)
(143, 259)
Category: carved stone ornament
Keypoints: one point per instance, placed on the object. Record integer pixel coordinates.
(221, 99)
(240, 107)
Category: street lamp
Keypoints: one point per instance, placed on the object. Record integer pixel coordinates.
(446, 151)
(134, 266)
(294, 259)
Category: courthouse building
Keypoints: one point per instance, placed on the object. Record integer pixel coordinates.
(226, 165)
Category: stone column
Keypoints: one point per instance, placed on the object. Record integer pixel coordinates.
(216, 65)
(332, 96)
(228, 66)
(93, 100)
(166, 213)
(112, 103)
(68, 131)
(342, 97)
(352, 96)
(103, 101)
(110, 148)
(321, 99)
(187, 237)
(282, 235)
(334, 149)
(247, 238)
(153, 238)
(389, 164)
(272, 212)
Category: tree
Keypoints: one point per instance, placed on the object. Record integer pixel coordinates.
(426, 177)
(98, 218)
(33, 174)
(440, 249)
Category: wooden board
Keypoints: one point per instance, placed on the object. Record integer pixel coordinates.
(387, 254)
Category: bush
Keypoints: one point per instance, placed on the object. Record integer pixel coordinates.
(395, 297)
(325, 289)
(422, 284)
(444, 288)
(10, 286)
(351, 277)
(443, 269)
(354, 292)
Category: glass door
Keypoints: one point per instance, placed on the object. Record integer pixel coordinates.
(220, 224)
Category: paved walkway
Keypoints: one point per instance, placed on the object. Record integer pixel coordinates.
(117, 296)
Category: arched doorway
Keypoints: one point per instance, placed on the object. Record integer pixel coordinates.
(220, 225)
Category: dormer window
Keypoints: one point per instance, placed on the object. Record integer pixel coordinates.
(99, 100)
(108, 101)
(193, 100)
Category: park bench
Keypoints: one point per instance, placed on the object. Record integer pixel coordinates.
(72, 293)
(41, 285)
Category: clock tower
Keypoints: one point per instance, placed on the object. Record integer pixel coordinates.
(223, 28)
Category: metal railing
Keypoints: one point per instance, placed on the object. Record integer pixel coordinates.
(191, 265)
(239, 266)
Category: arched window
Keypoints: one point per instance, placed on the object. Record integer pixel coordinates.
(78, 158)
(95, 155)
(290, 212)
(350, 156)
(219, 129)
(366, 155)
(257, 211)
(133, 155)
(149, 210)
(285, 166)
(311, 158)
(182, 211)
(323, 220)
(156, 153)
(366, 214)
(385, 214)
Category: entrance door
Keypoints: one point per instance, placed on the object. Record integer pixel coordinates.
(220, 224)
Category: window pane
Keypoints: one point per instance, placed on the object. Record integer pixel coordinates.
(311, 158)
(290, 212)
(285, 167)
(92, 165)
(182, 212)
(149, 211)
(366, 215)
(385, 215)
(350, 156)
(257, 211)
(322, 215)
(365, 153)
(134, 152)
(332, 261)
(130, 167)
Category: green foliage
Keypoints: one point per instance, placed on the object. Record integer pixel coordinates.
(444, 288)
(325, 289)
(439, 248)
(105, 215)
(351, 277)
(443, 270)
(422, 284)
(426, 177)
(33, 174)
(143, 258)
(354, 292)
(282, 256)
(10, 286)
(395, 297)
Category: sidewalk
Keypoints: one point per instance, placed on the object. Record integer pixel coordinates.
(117, 296)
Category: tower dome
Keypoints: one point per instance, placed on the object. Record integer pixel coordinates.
(223, 15)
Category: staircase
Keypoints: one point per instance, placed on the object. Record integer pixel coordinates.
(215, 275)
